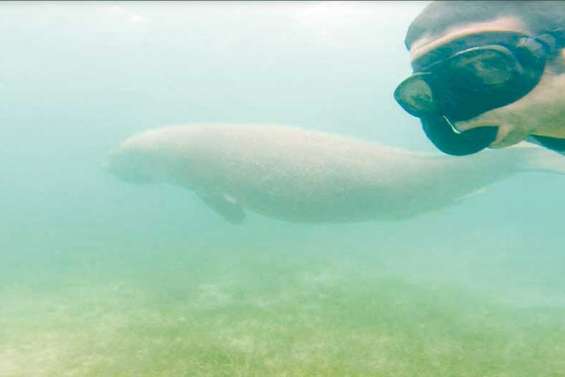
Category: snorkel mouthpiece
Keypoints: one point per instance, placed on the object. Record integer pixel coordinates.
(441, 132)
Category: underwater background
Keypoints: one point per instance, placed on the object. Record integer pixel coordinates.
(103, 278)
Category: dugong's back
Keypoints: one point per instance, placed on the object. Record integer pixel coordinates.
(309, 176)
(294, 174)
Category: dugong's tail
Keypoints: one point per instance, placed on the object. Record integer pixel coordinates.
(537, 159)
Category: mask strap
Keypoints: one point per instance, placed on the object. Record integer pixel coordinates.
(554, 39)
(549, 42)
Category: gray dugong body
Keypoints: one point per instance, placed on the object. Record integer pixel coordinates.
(308, 176)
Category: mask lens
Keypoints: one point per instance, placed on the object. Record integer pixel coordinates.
(482, 67)
(415, 96)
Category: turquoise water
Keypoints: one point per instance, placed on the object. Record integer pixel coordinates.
(103, 278)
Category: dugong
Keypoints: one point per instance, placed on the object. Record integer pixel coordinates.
(302, 175)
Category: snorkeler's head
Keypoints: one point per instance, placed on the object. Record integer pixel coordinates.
(482, 69)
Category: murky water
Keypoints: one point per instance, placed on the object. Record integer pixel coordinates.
(99, 277)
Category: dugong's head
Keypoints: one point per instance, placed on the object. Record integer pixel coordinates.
(149, 157)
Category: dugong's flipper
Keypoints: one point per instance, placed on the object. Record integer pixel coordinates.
(224, 205)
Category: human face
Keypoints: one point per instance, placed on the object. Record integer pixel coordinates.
(538, 113)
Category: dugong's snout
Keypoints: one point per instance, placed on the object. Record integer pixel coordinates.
(128, 167)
